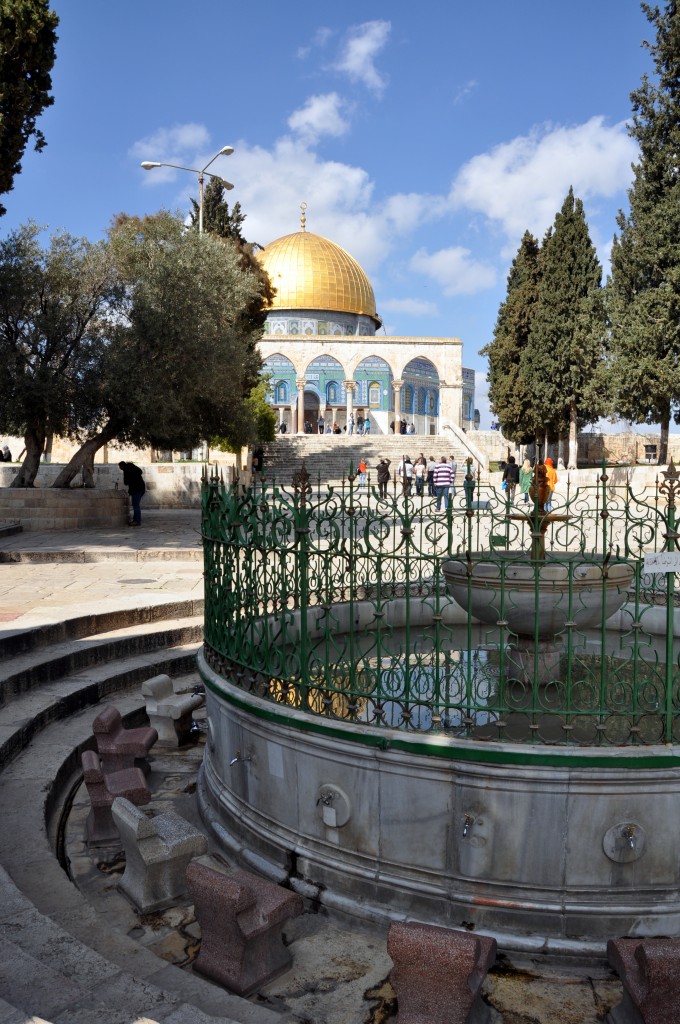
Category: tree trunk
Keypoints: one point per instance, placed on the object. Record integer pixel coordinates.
(663, 440)
(573, 436)
(84, 457)
(34, 440)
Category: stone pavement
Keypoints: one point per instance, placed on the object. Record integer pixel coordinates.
(340, 969)
(46, 577)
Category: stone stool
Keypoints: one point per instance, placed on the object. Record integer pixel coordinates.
(438, 973)
(169, 712)
(118, 747)
(650, 972)
(241, 918)
(102, 790)
(157, 852)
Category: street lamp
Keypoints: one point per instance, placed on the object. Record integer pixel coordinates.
(149, 165)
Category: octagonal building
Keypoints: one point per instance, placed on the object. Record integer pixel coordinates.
(327, 362)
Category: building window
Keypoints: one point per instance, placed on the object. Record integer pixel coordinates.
(374, 395)
(407, 399)
(332, 393)
(281, 393)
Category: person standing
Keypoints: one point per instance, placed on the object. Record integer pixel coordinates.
(419, 472)
(350, 425)
(454, 469)
(383, 477)
(133, 479)
(525, 476)
(431, 466)
(551, 477)
(511, 478)
(442, 483)
(362, 472)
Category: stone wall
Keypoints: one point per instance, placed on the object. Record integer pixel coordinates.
(626, 448)
(48, 509)
(168, 485)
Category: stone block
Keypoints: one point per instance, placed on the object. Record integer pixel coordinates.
(119, 747)
(649, 970)
(438, 973)
(102, 790)
(241, 917)
(157, 852)
(170, 713)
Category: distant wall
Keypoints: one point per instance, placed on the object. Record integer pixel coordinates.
(168, 485)
(592, 447)
(49, 509)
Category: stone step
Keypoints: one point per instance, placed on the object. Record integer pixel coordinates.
(18, 641)
(25, 672)
(60, 960)
(328, 458)
(28, 714)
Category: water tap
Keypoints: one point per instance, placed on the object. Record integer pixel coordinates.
(629, 834)
(238, 759)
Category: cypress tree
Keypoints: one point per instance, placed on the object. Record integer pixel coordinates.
(644, 290)
(563, 362)
(513, 403)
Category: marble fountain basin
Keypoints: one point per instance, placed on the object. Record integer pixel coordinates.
(569, 589)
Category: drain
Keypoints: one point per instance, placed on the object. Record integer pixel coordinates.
(137, 581)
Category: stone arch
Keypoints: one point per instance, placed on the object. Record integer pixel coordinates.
(420, 394)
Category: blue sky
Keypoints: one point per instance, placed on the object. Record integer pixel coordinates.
(424, 138)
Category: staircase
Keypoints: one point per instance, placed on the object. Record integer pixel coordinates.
(62, 961)
(327, 457)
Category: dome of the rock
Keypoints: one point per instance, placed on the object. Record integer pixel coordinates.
(310, 272)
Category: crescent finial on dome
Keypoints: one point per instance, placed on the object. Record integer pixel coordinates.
(303, 217)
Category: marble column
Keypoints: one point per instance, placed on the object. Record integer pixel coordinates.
(396, 387)
(301, 384)
(350, 385)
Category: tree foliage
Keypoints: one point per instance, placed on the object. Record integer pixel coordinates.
(643, 292)
(51, 334)
(27, 48)
(546, 361)
(511, 399)
(565, 359)
(145, 338)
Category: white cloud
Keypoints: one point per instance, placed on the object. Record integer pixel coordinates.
(465, 90)
(361, 47)
(455, 270)
(179, 144)
(320, 38)
(522, 183)
(321, 115)
(409, 307)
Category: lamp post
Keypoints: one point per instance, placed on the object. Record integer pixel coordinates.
(149, 165)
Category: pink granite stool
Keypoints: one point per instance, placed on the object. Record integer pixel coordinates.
(118, 747)
(650, 972)
(438, 973)
(103, 790)
(241, 918)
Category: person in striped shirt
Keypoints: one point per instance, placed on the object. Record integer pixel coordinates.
(443, 482)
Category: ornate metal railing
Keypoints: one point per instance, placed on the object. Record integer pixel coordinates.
(336, 602)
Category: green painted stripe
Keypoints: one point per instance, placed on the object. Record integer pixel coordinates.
(470, 750)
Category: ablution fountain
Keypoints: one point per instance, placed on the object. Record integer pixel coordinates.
(467, 717)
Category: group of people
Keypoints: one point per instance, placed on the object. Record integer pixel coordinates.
(522, 476)
(402, 427)
(426, 475)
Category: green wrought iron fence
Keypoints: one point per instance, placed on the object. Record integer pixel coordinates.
(341, 604)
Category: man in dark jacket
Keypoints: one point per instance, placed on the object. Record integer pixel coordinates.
(383, 477)
(511, 477)
(133, 479)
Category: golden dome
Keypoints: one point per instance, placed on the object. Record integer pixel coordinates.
(311, 272)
